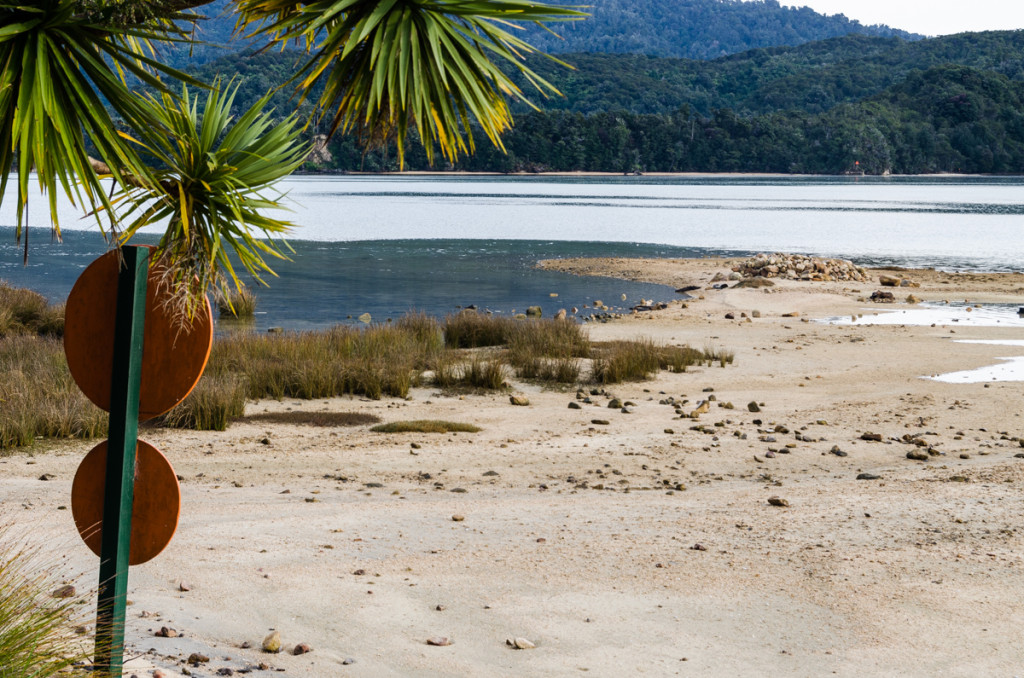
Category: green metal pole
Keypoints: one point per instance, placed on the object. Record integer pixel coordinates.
(119, 490)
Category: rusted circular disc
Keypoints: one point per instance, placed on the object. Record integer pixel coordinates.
(173, 358)
(155, 510)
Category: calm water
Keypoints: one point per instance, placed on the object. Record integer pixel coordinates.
(385, 245)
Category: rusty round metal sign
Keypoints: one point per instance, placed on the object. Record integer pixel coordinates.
(173, 358)
(155, 509)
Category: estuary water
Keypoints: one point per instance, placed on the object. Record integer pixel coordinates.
(387, 244)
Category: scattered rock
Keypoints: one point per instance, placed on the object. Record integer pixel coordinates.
(439, 641)
(756, 282)
(166, 632)
(195, 659)
(889, 281)
(917, 455)
(868, 476)
(184, 586)
(519, 644)
(573, 405)
(873, 437)
(365, 318)
(272, 643)
(519, 399)
(698, 547)
(599, 422)
(301, 648)
(838, 452)
(47, 476)
(777, 501)
(913, 299)
(458, 518)
(533, 312)
(753, 406)
(880, 297)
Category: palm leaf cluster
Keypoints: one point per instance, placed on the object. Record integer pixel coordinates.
(387, 67)
(59, 62)
(214, 176)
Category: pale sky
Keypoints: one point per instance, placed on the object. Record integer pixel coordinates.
(928, 17)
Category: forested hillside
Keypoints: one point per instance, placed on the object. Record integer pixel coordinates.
(695, 29)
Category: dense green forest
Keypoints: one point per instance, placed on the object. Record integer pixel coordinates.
(951, 104)
(695, 29)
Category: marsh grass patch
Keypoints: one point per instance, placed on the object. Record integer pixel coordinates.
(312, 418)
(426, 426)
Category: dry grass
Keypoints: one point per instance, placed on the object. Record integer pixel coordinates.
(38, 397)
(26, 312)
(310, 418)
(239, 303)
(426, 426)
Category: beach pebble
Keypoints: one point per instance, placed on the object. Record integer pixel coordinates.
(301, 648)
(195, 659)
(874, 437)
(519, 643)
(573, 405)
(838, 452)
(868, 476)
(518, 399)
(439, 641)
(599, 422)
(458, 518)
(166, 632)
(752, 406)
(184, 586)
(272, 643)
(917, 455)
(777, 501)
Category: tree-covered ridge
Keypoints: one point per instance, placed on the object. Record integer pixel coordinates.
(940, 105)
(813, 77)
(694, 29)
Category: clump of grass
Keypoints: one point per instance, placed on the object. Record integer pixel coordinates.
(548, 350)
(23, 311)
(470, 329)
(39, 398)
(678, 358)
(211, 406)
(424, 329)
(425, 426)
(311, 418)
(36, 630)
(239, 302)
(618, 361)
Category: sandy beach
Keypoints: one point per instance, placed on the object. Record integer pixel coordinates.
(645, 545)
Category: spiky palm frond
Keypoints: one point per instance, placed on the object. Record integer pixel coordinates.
(391, 65)
(213, 189)
(59, 61)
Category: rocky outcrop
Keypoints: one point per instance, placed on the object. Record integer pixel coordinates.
(800, 267)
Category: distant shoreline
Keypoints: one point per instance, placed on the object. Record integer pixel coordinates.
(766, 175)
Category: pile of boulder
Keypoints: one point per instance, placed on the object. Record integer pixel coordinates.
(800, 267)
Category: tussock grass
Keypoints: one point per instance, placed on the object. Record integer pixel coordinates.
(26, 312)
(36, 630)
(239, 302)
(548, 350)
(38, 397)
(310, 418)
(618, 361)
(211, 406)
(470, 329)
(425, 426)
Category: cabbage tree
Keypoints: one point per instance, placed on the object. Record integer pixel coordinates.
(388, 67)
